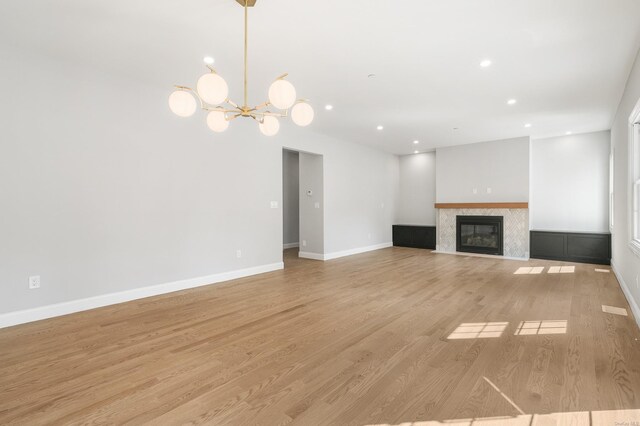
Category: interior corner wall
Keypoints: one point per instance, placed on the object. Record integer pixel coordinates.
(311, 203)
(103, 190)
(290, 197)
(570, 183)
(625, 262)
(494, 171)
(417, 194)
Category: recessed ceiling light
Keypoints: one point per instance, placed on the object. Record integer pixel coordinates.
(416, 142)
(380, 127)
(511, 102)
(416, 152)
(527, 125)
(568, 133)
(485, 63)
(209, 60)
(328, 107)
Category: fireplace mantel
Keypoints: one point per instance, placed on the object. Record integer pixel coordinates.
(515, 205)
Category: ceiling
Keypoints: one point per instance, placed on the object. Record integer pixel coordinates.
(565, 62)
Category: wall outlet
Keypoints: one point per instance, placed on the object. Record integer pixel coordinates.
(475, 190)
(238, 254)
(369, 235)
(274, 204)
(34, 281)
(317, 205)
(488, 190)
(382, 205)
(304, 243)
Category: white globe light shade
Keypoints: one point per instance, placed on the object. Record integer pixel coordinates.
(212, 89)
(302, 114)
(270, 125)
(217, 121)
(282, 94)
(182, 103)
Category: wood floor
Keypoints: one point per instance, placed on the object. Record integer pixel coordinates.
(354, 341)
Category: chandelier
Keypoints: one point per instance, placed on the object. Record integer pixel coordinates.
(212, 94)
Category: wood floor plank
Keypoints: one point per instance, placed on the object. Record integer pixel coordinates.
(360, 340)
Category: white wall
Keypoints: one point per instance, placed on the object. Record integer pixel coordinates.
(290, 197)
(103, 190)
(570, 183)
(502, 166)
(311, 204)
(417, 193)
(625, 262)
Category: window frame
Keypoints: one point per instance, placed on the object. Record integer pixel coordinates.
(612, 160)
(634, 179)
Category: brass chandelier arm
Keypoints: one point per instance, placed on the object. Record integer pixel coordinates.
(194, 92)
(225, 110)
(272, 114)
(261, 106)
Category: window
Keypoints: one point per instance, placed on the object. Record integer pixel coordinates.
(611, 177)
(634, 172)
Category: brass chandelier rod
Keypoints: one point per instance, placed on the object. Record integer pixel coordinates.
(246, 45)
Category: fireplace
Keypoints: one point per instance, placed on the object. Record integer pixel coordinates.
(479, 234)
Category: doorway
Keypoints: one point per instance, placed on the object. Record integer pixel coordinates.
(302, 206)
(290, 203)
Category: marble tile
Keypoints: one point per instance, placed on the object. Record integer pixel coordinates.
(516, 229)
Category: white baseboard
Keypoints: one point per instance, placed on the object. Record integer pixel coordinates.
(337, 254)
(290, 245)
(358, 250)
(489, 256)
(627, 293)
(58, 309)
(309, 255)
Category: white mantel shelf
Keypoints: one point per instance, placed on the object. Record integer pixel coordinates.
(515, 205)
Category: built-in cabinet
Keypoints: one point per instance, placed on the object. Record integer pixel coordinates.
(584, 247)
(415, 236)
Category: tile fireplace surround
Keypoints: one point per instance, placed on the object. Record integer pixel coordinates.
(516, 229)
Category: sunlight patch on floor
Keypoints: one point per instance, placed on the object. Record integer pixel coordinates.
(562, 269)
(526, 270)
(615, 311)
(478, 330)
(577, 418)
(527, 328)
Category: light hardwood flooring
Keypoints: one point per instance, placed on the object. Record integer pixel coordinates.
(354, 341)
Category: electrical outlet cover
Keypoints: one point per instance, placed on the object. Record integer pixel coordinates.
(34, 281)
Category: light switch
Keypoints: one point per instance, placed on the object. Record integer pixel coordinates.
(274, 204)
(317, 205)
(475, 190)
(488, 190)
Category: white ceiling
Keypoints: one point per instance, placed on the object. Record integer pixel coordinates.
(565, 61)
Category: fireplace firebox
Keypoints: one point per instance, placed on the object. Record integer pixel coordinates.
(479, 234)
